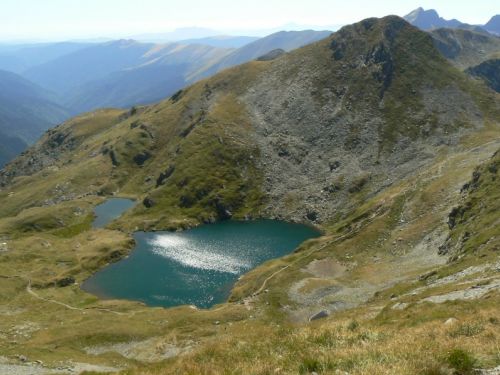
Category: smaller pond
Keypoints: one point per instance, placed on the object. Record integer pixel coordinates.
(198, 266)
(110, 210)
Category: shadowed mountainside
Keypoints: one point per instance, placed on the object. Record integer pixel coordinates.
(26, 111)
(493, 25)
(466, 48)
(489, 72)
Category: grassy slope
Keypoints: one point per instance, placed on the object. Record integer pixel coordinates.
(218, 172)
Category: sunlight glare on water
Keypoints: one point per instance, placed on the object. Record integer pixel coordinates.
(198, 266)
(191, 254)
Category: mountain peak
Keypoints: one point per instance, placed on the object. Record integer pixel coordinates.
(429, 19)
(421, 12)
(494, 19)
(493, 25)
(390, 25)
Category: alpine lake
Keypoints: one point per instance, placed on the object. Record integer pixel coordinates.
(198, 266)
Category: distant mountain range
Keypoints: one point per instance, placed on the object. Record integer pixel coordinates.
(67, 72)
(18, 58)
(430, 20)
(157, 73)
(285, 40)
(222, 41)
(26, 111)
(126, 72)
(476, 53)
(182, 33)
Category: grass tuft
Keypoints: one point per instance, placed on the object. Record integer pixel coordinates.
(461, 361)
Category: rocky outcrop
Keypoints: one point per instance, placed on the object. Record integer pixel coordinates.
(489, 72)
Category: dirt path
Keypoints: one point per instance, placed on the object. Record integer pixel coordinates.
(8, 366)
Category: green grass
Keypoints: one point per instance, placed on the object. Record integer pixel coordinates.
(461, 361)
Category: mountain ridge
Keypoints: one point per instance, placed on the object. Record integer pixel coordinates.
(431, 20)
(107, 74)
(493, 25)
(465, 48)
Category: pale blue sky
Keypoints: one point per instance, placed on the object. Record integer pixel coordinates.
(63, 19)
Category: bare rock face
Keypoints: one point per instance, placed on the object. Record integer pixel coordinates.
(331, 135)
(320, 315)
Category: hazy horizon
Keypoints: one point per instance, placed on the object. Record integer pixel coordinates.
(33, 21)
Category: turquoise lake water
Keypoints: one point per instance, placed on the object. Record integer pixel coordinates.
(110, 210)
(198, 266)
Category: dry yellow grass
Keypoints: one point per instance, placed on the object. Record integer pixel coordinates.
(368, 346)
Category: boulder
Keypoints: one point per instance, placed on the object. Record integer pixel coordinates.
(142, 157)
(164, 175)
(65, 281)
(451, 321)
(319, 315)
(148, 202)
